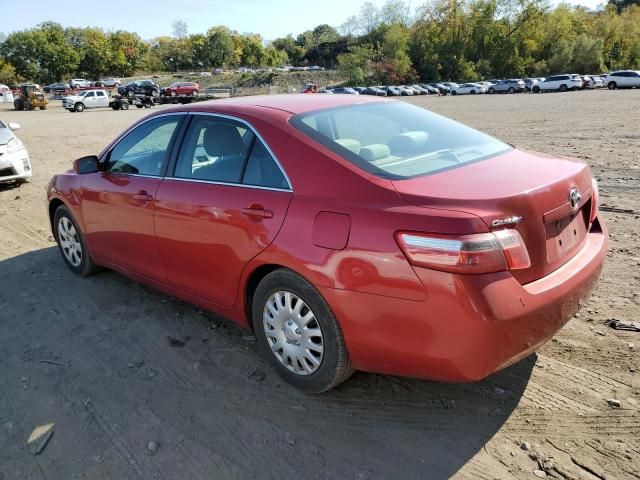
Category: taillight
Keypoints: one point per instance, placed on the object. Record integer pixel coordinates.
(595, 199)
(476, 253)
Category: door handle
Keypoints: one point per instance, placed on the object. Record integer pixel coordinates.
(142, 197)
(257, 211)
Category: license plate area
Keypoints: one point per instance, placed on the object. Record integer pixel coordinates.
(564, 235)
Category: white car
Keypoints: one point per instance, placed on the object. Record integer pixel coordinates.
(86, 99)
(15, 165)
(79, 82)
(469, 89)
(560, 83)
(6, 95)
(623, 79)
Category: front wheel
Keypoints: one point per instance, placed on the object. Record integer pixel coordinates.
(454, 93)
(71, 243)
(298, 333)
(612, 86)
(124, 106)
(512, 90)
(536, 89)
(492, 91)
(79, 107)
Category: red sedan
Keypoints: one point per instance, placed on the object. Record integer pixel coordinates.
(346, 232)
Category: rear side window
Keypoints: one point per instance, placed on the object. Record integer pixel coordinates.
(397, 140)
(222, 150)
(214, 149)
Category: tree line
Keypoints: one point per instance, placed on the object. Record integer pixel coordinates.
(440, 40)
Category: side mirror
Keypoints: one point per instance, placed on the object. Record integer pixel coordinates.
(14, 126)
(86, 165)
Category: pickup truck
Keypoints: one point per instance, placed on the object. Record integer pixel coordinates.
(86, 99)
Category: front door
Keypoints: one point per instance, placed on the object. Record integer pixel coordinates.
(118, 202)
(223, 204)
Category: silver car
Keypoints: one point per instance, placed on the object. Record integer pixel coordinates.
(513, 85)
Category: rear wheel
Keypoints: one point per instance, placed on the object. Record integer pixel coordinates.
(71, 243)
(612, 86)
(473, 92)
(298, 333)
(454, 93)
(492, 90)
(124, 106)
(563, 88)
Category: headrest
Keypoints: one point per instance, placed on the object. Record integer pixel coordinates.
(408, 143)
(374, 152)
(221, 139)
(349, 144)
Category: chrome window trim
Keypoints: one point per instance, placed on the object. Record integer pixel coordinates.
(228, 184)
(259, 137)
(212, 114)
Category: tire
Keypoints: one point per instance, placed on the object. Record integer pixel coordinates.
(194, 93)
(512, 90)
(154, 93)
(44, 107)
(124, 106)
(173, 93)
(79, 107)
(18, 105)
(71, 110)
(139, 105)
(472, 92)
(563, 88)
(454, 92)
(536, 89)
(492, 90)
(70, 239)
(612, 85)
(333, 365)
(148, 104)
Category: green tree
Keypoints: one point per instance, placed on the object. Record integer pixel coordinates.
(355, 64)
(221, 50)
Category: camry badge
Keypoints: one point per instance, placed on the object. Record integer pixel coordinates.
(574, 198)
(506, 221)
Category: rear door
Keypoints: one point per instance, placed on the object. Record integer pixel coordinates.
(118, 201)
(223, 203)
(101, 99)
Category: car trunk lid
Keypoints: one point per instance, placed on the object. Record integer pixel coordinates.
(523, 190)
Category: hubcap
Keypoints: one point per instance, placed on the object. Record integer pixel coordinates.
(69, 242)
(293, 333)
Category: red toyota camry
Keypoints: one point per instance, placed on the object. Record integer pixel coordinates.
(348, 232)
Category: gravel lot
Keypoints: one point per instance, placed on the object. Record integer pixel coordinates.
(139, 385)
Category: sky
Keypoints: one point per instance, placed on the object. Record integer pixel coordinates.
(270, 18)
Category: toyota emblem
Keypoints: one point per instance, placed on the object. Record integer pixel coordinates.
(574, 198)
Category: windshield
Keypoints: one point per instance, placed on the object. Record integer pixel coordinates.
(397, 140)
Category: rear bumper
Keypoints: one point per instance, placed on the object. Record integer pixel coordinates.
(470, 325)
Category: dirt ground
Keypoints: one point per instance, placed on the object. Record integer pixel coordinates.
(139, 385)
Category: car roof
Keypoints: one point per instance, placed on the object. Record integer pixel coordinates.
(292, 103)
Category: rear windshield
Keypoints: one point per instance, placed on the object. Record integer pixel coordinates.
(397, 140)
